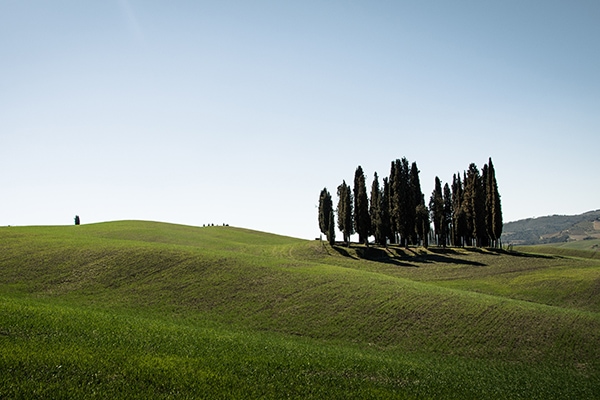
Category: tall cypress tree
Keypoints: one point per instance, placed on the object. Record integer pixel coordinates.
(401, 201)
(416, 205)
(485, 238)
(436, 206)
(376, 212)
(447, 220)
(495, 207)
(422, 224)
(325, 209)
(385, 213)
(391, 202)
(475, 207)
(344, 211)
(331, 230)
(459, 220)
(362, 222)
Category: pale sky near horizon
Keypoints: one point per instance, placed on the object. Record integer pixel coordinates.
(240, 112)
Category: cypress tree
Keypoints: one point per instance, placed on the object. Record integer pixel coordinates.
(447, 220)
(436, 206)
(422, 224)
(459, 220)
(475, 207)
(487, 219)
(385, 212)
(362, 222)
(325, 209)
(495, 207)
(344, 211)
(376, 212)
(392, 206)
(416, 205)
(331, 230)
(401, 201)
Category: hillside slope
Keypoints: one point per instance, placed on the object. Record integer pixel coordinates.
(473, 304)
(553, 229)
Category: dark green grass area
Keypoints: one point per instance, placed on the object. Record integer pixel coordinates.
(51, 351)
(141, 309)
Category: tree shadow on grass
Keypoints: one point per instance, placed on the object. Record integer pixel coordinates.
(344, 252)
(439, 255)
(412, 256)
(373, 254)
(437, 258)
(516, 253)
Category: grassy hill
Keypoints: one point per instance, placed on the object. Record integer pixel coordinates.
(553, 229)
(142, 309)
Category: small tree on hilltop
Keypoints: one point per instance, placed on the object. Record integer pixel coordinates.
(77, 220)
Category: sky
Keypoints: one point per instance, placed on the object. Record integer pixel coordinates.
(240, 112)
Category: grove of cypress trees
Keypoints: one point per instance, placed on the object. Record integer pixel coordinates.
(344, 211)
(467, 212)
(362, 221)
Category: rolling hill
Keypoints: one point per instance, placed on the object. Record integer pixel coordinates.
(553, 229)
(136, 309)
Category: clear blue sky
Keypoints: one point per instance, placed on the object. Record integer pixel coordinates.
(240, 112)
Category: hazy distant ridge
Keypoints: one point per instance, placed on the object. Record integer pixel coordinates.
(553, 229)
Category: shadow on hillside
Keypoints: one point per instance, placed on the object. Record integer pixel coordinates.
(344, 252)
(373, 254)
(437, 258)
(411, 256)
(440, 255)
(515, 253)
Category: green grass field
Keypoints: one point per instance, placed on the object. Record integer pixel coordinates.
(580, 248)
(149, 310)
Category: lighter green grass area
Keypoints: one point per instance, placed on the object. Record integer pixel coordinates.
(580, 248)
(137, 309)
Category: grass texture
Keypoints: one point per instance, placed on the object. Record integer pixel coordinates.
(138, 309)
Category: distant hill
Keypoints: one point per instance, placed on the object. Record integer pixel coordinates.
(553, 229)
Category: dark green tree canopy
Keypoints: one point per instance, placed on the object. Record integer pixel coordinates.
(362, 221)
(325, 208)
(376, 212)
(345, 211)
